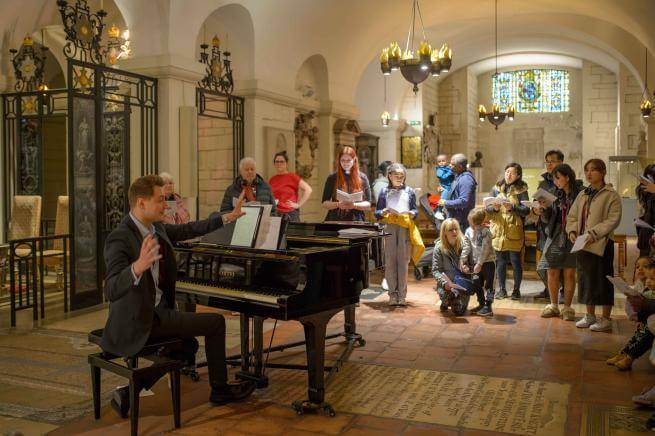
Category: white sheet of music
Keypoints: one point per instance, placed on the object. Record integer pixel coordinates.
(269, 233)
(397, 201)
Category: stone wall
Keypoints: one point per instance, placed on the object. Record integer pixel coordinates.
(452, 119)
(632, 126)
(215, 167)
(600, 99)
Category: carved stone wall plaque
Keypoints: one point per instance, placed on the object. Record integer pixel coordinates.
(306, 139)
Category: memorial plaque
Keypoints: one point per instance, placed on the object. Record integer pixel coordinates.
(527, 407)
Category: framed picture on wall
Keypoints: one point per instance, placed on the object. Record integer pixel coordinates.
(410, 151)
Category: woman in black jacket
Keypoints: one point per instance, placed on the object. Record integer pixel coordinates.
(647, 212)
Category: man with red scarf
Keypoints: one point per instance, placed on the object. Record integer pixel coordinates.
(254, 186)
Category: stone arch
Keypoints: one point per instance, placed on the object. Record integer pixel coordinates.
(234, 27)
(312, 81)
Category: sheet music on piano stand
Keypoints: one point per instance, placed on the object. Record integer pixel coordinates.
(269, 233)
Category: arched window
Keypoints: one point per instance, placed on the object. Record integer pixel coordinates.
(532, 90)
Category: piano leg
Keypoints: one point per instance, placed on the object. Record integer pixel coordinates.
(245, 342)
(315, 327)
(350, 326)
(257, 373)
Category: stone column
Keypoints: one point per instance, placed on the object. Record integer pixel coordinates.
(177, 82)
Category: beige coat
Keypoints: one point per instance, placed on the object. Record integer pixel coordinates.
(604, 217)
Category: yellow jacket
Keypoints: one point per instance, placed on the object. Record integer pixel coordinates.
(415, 239)
(507, 225)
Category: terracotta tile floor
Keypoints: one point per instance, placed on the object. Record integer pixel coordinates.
(516, 343)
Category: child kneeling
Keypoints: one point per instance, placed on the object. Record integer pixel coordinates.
(478, 248)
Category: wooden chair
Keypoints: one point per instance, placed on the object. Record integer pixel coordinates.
(154, 352)
(25, 222)
(25, 218)
(54, 257)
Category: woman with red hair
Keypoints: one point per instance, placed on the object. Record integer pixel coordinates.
(346, 178)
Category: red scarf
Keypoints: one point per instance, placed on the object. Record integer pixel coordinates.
(249, 191)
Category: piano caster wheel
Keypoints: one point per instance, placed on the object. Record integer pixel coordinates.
(300, 407)
(329, 410)
(192, 373)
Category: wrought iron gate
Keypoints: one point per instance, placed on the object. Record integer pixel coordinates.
(106, 108)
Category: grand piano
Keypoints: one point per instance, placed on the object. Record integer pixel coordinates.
(315, 276)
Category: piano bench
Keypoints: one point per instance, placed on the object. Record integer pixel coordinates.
(136, 376)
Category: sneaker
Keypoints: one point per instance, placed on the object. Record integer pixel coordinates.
(392, 301)
(646, 398)
(477, 308)
(516, 295)
(624, 364)
(401, 302)
(443, 307)
(501, 294)
(616, 358)
(567, 313)
(485, 311)
(586, 321)
(602, 325)
(550, 311)
(233, 391)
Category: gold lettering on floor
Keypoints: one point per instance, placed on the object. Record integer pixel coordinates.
(529, 407)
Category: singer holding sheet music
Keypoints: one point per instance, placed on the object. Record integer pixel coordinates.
(594, 215)
(557, 259)
(397, 208)
(507, 217)
(347, 179)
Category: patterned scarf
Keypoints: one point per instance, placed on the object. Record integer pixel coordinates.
(249, 190)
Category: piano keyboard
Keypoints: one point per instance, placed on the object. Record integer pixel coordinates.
(210, 288)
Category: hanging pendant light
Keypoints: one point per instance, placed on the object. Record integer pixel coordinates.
(416, 66)
(386, 116)
(646, 105)
(497, 116)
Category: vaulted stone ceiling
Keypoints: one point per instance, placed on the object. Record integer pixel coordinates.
(349, 34)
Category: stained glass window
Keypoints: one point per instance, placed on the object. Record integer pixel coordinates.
(532, 90)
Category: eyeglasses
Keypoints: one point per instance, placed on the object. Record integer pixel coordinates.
(548, 162)
(279, 161)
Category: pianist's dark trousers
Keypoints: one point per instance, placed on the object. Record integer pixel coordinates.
(187, 325)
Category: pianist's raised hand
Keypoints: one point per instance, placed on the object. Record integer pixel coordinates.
(149, 254)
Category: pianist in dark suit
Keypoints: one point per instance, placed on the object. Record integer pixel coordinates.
(140, 287)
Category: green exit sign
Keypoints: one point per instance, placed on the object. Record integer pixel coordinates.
(414, 123)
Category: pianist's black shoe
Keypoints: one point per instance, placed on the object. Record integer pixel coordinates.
(233, 391)
(120, 401)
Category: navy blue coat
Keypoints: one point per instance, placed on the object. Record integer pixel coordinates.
(462, 198)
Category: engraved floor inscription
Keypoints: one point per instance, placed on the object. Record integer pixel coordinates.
(528, 407)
